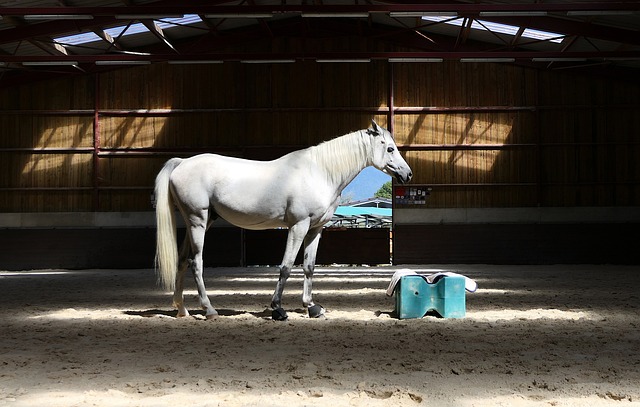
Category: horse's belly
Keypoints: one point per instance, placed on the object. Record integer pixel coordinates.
(249, 220)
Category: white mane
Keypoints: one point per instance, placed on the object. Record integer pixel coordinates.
(343, 157)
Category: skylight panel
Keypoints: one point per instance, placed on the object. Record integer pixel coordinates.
(172, 22)
(542, 35)
(165, 23)
(499, 28)
(78, 39)
(136, 28)
(495, 27)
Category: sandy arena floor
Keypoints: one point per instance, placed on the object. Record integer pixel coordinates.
(532, 336)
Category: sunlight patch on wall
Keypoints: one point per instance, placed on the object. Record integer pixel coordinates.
(470, 140)
(132, 132)
(477, 132)
(57, 170)
(71, 165)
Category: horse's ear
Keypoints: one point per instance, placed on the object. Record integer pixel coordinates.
(375, 126)
(375, 129)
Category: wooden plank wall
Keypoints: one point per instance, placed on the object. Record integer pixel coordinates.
(483, 135)
(45, 147)
(97, 142)
(491, 135)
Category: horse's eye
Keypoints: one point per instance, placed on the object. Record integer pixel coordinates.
(390, 149)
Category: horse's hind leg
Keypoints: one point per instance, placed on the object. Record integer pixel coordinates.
(183, 263)
(197, 232)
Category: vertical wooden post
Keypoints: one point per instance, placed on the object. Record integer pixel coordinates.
(96, 145)
(538, 142)
(391, 127)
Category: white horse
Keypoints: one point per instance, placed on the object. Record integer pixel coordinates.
(300, 191)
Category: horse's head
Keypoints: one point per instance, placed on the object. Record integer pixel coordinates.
(385, 154)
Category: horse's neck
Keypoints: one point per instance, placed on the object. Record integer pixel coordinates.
(343, 158)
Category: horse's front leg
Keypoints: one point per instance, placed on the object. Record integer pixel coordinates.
(294, 241)
(311, 242)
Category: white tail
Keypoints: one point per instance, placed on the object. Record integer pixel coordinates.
(166, 235)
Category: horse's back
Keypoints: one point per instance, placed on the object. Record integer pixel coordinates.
(224, 172)
(247, 193)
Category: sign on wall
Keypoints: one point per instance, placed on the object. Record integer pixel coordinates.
(411, 194)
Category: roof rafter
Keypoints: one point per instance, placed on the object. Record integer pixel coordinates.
(157, 31)
(105, 36)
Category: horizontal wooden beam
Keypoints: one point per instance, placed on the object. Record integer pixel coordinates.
(400, 110)
(271, 58)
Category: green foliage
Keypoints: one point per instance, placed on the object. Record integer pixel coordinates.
(384, 191)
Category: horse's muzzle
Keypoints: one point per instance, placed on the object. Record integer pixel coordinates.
(403, 179)
(401, 176)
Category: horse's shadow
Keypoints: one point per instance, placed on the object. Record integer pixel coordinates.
(200, 314)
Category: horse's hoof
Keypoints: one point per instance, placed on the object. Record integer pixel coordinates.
(279, 314)
(211, 316)
(315, 311)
